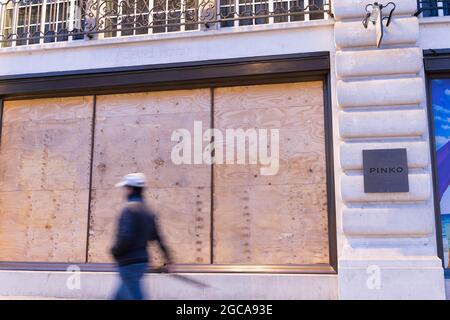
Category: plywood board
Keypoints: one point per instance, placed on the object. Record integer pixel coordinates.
(44, 179)
(133, 134)
(269, 96)
(43, 225)
(279, 219)
(284, 224)
(183, 215)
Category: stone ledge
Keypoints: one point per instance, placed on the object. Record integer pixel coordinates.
(351, 153)
(352, 190)
(353, 34)
(373, 124)
(378, 62)
(398, 251)
(169, 36)
(408, 220)
(380, 92)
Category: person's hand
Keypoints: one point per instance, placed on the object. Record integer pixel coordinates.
(168, 268)
(113, 252)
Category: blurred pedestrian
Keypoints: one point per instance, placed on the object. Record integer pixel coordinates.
(136, 227)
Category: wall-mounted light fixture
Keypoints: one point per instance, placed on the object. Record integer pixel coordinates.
(374, 14)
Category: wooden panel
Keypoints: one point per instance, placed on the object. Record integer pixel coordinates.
(133, 134)
(269, 96)
(285, 224)
(44, 179)
(279, 219)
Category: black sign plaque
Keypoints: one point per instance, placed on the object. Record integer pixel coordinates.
(385, 170)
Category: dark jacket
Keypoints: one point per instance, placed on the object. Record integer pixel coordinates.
(137, 226)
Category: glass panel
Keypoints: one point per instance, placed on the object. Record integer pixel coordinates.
(297, 7)
(35, 14)
(142, 6)
(142, 24)
(34, 35)
(127, 8)
(262, 9)
(21, 36)
(316, 5)
(51, 12)
(227, 10)
(21, 17)
(62, 32)
(159, 5)
(111, 10)
(159, 19)
(173, 20)
(280, 8)
(174, 5)
(127, 26)
(111, 24)
(9, 18)
(245, 10)
(9, 36)
(429, 8)
(49, 34)
(7, 28)
(190, 17)
(447, 8)
(440, 99)
(190, 4)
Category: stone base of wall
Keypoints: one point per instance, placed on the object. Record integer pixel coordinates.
(407, 279)
(101, 285)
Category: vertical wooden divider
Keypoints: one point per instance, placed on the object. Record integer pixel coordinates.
(212, 187)
(94, 109)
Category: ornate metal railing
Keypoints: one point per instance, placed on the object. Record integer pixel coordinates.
(26, 22)
(433, 8)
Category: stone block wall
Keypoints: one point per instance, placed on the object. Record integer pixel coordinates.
(388, 241)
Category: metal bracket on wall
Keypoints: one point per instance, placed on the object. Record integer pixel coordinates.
(374, 14)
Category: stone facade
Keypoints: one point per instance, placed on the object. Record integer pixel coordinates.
(388, 240)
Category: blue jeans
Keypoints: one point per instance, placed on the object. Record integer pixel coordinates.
(130, 286)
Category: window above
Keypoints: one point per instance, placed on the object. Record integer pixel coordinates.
(433, 8)
(27, 22)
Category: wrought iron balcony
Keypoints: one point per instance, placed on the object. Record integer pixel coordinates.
(27, 22)
(433, 8)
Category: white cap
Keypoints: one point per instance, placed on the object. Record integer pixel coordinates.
(133, 180)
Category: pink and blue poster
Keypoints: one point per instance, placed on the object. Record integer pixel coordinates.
(440, 91)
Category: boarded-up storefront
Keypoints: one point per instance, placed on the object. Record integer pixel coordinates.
(60, 159)
(44, 179)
